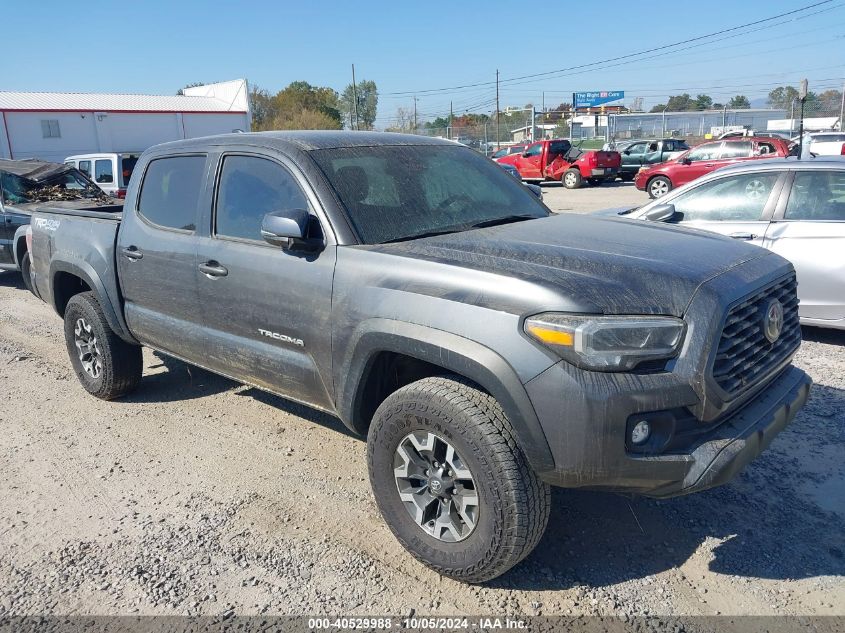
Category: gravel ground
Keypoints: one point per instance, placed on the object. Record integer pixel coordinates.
(197, 495)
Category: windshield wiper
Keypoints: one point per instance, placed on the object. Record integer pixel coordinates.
(418, 236)
(504, 220)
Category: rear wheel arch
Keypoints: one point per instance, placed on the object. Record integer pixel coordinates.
(413, 352)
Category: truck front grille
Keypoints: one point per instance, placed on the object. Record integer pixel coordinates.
(745, 355)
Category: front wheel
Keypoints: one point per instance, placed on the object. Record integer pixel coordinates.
(106, 365)
(451, 481)
(659, 187)
(572, 179)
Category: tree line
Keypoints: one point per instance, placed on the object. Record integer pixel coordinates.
(301, 106)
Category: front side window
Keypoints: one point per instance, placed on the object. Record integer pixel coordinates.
(534, 150)
(708, 151)
(170, 191)
(636, 149)
(85, 167)
(817, 195)
(393, 193)
(740, 198)
(736, 149)
(250, 188)
(103, 172)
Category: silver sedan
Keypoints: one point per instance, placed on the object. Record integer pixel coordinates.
(794, 208)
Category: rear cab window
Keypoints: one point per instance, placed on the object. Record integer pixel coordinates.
(127, 166)
(103, 171)
(171, 190)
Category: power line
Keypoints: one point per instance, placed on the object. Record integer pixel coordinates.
(664, 47)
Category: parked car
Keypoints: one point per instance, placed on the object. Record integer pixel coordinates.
(27, 183)
(658, 180)
(648, 152)
(558, 159)
(507, 151)
(486, 347)
(537, 191)
(793, 208)
(110, 171)
(826, 143)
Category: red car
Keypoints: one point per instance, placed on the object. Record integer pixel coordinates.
(660, 179)
(557, 159)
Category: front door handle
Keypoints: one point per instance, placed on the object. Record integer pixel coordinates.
(132, 252)
(213, 269)
(743, 236)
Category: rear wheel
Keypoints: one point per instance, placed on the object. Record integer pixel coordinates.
(106, 365)
(26, 268)
(451, 481)
(659, 186)
(572, 179)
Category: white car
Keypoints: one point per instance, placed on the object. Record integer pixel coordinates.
(794, 208)
(825, 143)
(110, 171)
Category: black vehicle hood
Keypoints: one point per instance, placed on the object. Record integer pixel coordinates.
(592, 264)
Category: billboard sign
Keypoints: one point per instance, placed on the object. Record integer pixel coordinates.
(593, 99)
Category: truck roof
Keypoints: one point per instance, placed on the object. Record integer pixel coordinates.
(306, 140)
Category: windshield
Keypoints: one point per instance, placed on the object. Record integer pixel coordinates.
(393, 192)
(70, 185)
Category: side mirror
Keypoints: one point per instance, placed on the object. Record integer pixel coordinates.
(283, 228)
(627, 152)
(660, 213)
(525, 154)
(686, 161)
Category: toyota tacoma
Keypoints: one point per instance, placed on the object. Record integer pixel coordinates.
(485, 347)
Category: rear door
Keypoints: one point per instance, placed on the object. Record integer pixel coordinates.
(156, 256)
(809, 230)
(702, 160)
(266, 311)
(105, 174)
(738, 205)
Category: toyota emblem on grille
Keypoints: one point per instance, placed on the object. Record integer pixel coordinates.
(773, 320)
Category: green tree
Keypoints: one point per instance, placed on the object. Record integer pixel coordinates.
(262, 107)
(782, 97)
(367, 98)
(739, 101)
(684, 103)
(300, 95)
(830, 102)
(305, 119)
(703, 102)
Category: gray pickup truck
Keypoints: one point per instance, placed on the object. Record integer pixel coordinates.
(409, 286)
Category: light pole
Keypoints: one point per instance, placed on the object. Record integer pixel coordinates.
(802, 94)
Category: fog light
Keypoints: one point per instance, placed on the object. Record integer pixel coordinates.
(640, 432)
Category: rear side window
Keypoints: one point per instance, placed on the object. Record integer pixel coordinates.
(736, 149)
(127, 166)
(817, 195)
(171, 190)
(250, 188)
(103, 172)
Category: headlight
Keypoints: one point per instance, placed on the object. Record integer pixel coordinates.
(607, 343)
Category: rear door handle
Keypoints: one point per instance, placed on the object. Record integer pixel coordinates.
(132, 252)
(743, 236)
(213, 269)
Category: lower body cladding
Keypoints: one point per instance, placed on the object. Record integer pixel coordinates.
(590, 433)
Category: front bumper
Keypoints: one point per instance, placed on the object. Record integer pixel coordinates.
(589, 446)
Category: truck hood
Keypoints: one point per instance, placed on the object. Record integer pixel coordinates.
(581, 263)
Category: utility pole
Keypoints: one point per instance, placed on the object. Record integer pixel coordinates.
(497, 110)
(802, 95)
(355, 98)
(842, 111)
(450, 120)
(415, 114)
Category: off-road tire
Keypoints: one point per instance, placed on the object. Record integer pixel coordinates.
(122, 363)
(513, 502)
(574, 179)
(26, 267)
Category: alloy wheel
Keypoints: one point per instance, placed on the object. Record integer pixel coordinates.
(88, 348)
(436, 486)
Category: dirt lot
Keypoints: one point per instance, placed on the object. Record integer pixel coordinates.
(586, 199)
(199, 495)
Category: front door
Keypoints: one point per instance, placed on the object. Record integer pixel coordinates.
(632, 157)
(530, 163)
(156, 256)
(266, 311)
(811, 234)
(738, 206)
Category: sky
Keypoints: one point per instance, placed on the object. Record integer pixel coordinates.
(407, 48)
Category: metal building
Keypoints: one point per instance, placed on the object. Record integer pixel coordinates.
(52, 125)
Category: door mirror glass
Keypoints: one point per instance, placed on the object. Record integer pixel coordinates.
(282, 228)
(686, 160)
(660, 213)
